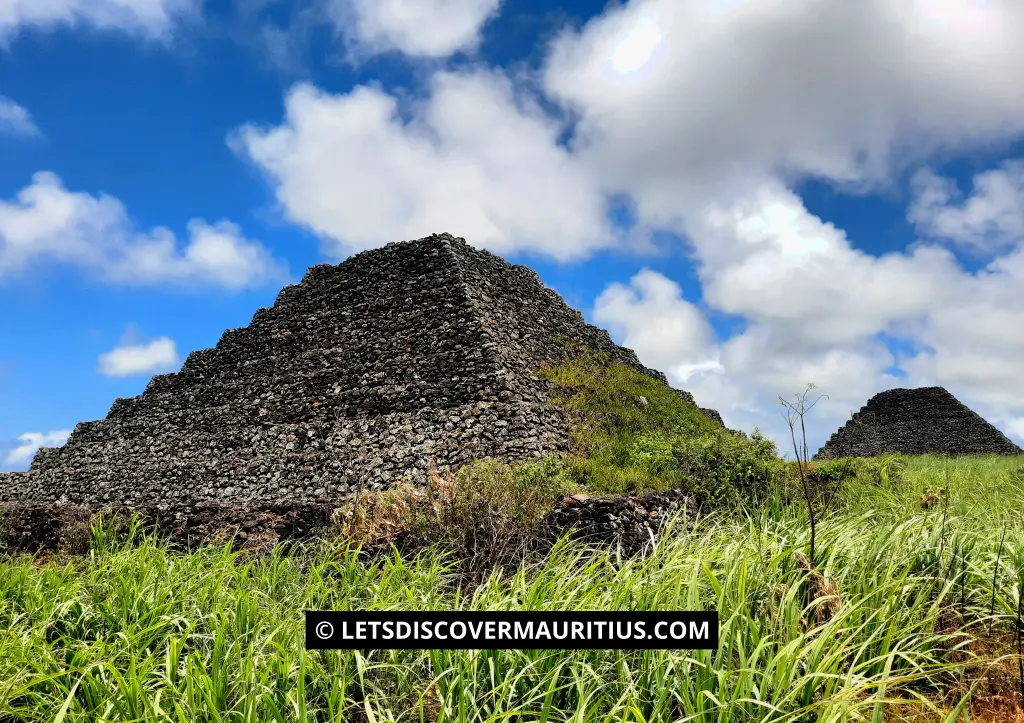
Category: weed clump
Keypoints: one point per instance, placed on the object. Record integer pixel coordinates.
(487, 515)
(887, 471)
(839, 470)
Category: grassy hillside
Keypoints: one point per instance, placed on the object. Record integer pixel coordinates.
(632, 433)
(910, 614)
(904, 626)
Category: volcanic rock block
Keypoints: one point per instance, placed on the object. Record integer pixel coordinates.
(359, 375)
(928, 420)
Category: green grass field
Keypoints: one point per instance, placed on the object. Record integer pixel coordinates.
(912, 620)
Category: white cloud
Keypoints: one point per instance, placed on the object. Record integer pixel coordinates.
(15, 120)
(975, 339)
(143, 358)
(990, 219)
(474, 159)
(718, 96)
(1015, 426)
(46, 222)
(421, 28)
(152, 18)
(30, 442)
(768, 259)
(650, 314)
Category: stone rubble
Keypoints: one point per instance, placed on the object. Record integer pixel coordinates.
(630, 522)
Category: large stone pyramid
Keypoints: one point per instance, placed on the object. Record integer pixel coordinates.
(928, 420)
(361, 374)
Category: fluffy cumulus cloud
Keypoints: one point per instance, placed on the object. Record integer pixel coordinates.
(15, 120)
(974, 337)
(991, 219)
(475, 158)
(650, 314)
(420, 28)
(153, 18)
(128, 359)
(743, 376)
(46, 222)
(30, 442)
(764, 257)
(681, 97)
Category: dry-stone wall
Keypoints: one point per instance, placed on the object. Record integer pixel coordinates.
(360, 374)
(631, 522)
(928, 420)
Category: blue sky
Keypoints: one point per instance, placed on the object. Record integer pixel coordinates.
(752, 194)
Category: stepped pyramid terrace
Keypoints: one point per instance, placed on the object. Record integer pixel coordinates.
(364, 373)
(928, 420)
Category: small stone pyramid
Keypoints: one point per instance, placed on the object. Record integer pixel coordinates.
(364, 373)
(927, 420)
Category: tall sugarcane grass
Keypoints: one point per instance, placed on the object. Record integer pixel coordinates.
(137, 632)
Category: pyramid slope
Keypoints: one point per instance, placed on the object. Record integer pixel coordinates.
(360, 374)
(927, 420)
